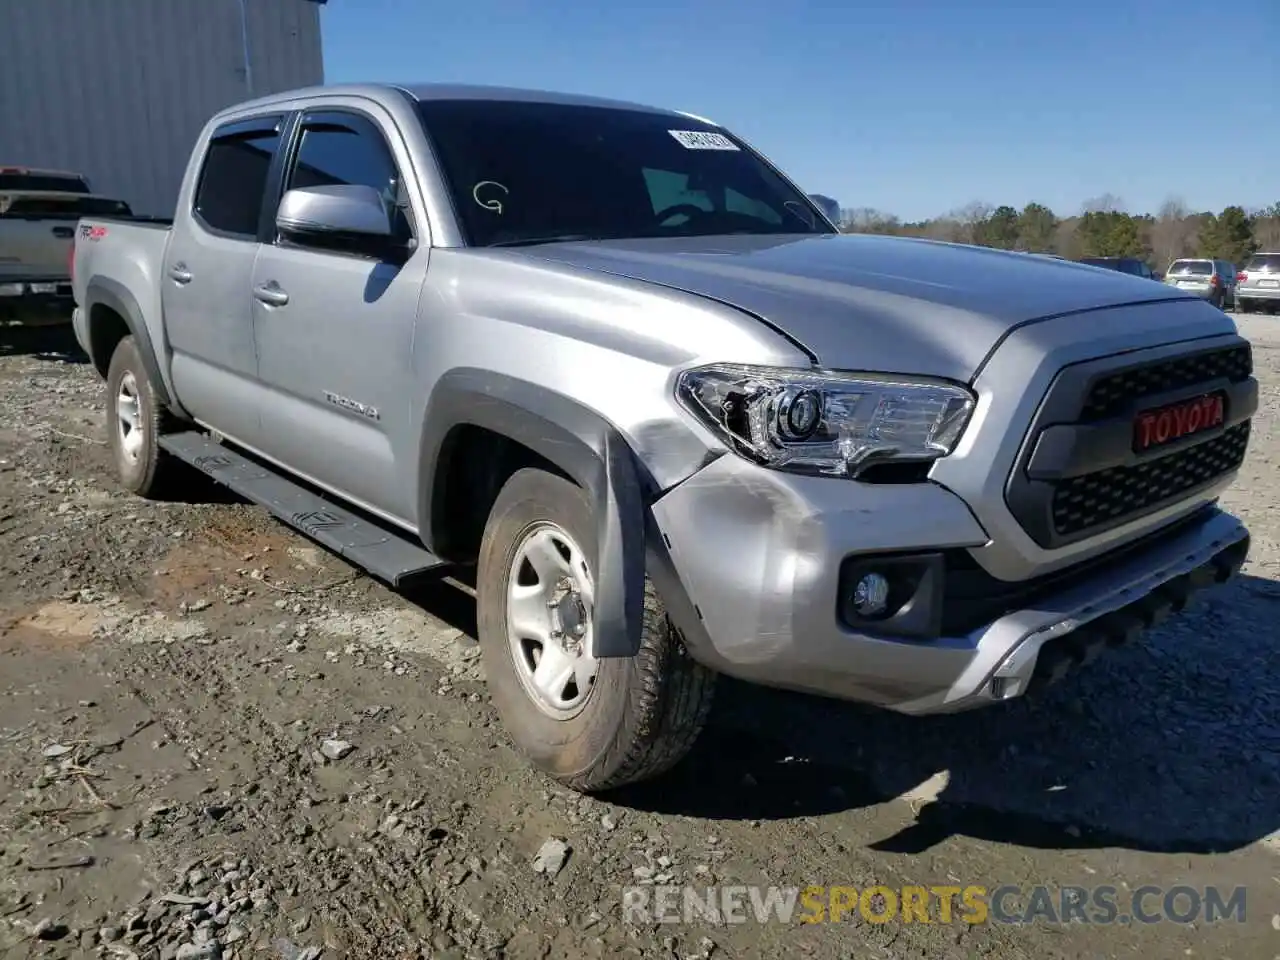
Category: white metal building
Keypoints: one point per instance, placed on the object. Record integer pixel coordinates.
(117, 90)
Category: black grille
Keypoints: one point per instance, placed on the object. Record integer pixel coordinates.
(1112, 394)
(1105, 497)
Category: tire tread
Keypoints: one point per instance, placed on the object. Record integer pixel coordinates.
(659, 700)
(669, 706)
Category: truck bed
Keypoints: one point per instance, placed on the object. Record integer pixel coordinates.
(130, 251)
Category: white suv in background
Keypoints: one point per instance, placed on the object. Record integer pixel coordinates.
(1258, 284)
(1215, 280)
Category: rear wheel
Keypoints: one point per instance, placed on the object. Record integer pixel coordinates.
(136, 418)
(591, 724)
(1243, 306)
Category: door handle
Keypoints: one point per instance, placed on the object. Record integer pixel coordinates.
(63, 233)
(179, 273)
(271, 294)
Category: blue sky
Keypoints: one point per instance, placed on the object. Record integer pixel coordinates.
(914, 107)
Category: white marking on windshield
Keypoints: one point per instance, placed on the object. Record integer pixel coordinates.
(493, 203)
(801, 212)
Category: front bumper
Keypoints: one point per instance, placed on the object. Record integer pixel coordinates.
(1036, 647)
(750, 561)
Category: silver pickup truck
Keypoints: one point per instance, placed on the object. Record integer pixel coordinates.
(610, 362)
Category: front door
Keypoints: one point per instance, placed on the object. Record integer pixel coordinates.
(205, 279)
(335, 330)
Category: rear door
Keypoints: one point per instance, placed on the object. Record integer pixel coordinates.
(206, 277)
(335, 327)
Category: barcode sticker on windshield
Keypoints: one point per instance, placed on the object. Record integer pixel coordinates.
(701, 140)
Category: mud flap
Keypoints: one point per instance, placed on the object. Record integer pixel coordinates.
(620, 553)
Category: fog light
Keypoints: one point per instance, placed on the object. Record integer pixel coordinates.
(871, 595)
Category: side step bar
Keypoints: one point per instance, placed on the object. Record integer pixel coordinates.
(384, 552)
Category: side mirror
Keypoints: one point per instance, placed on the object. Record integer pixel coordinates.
(333, 213)
(830, 208)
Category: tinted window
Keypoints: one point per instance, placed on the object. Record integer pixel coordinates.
(1198, 268)
(43, 181)
(330, 154)
(527, 171)
(340, 150)
(64, 208)
(232, 181)
(1264, 262)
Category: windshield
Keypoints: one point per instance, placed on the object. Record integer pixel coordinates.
(42, 181)
(523, 171)
(1198, 268)
(62, 208)
(1264, 263)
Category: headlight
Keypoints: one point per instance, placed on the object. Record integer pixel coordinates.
(825, 423)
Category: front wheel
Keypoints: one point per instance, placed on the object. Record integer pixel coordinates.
(591, 724)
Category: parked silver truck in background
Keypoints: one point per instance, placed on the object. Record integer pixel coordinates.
(38, 214)
(611, 360)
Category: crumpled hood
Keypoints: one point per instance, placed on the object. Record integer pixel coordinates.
(885, 304)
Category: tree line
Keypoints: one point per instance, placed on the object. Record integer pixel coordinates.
(1101, 229)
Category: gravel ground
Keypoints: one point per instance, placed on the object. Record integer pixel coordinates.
(218, 741)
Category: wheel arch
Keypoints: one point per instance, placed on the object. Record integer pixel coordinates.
(112, 314)
(482, 424)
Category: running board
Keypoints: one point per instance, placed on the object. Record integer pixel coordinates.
(382, 551)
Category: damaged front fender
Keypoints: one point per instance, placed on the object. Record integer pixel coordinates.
(590, 451)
